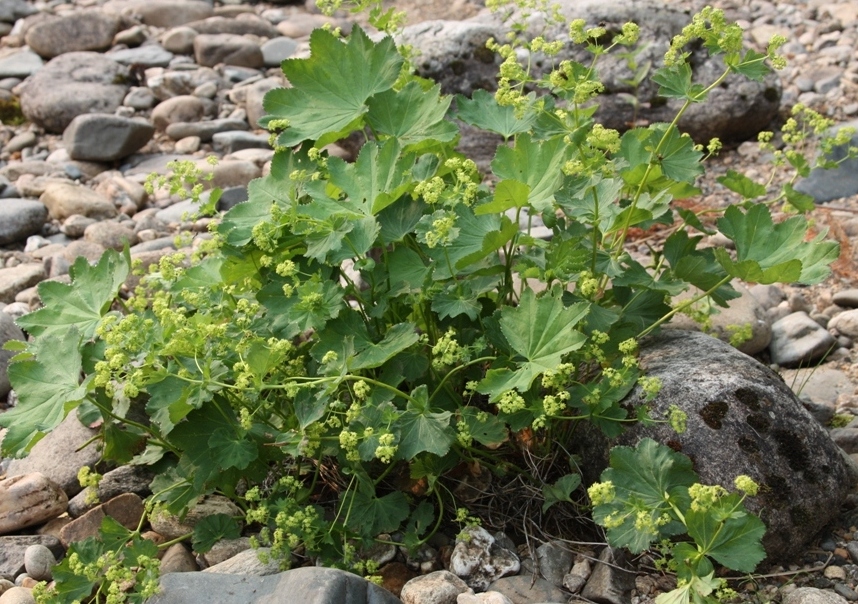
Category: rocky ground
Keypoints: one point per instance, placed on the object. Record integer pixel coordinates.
(183, 80)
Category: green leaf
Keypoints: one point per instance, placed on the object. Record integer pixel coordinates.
(679, 159)
(773, 253)
(48, 385)
(734, 541)
(331, 88)
(378, 177)
(483, 111)
(411, 115)
(398, 338)
(311, 306)
(232, 449)
(406, 271)
(535, 163)
(541, 330)
(752, 66)
(423, 430)
(560, 490)
(171, 399)
(371, 515)
(741, 184)
(592, 200)
(646, 479)
(485, 428)
(800, 201)
(211, 529)
(508, 194)
(675, 83)
(456, 299)
(81, 304)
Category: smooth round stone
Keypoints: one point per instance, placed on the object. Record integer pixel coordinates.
(847, 298)
(39, 562)
(18, 595)
(139, 98)
(277, 49)
(151, 55)
(20, 218)
(179, 40)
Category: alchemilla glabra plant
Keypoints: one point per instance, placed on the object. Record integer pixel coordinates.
(356, 332)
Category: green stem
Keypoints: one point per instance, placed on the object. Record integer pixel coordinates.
(683, 306)
(454, 370)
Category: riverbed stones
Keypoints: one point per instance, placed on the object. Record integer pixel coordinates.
(20, 218)
(184, 108)
(436, 587)
(14, 547)
(70, 85)
(105, 137)
(78, 31)
(19, 63)
(67, 199)
(742, 419)
(18, 278)
(799, 340)
(212, 49)
(8, 332)
(126, 509)
(29, 499)
(163, 13)
(478, 558)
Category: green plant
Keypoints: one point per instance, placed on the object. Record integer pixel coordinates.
(356, 334)
(650, 493)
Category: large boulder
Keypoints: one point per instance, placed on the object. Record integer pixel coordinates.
(454, 53)
(70, 85)
(742, 419)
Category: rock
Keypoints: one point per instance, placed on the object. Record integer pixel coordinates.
(110, 235)
(223, 550)
(64, 200)
(183, 108)
(609, 583)
(39, 562)
(78, 31)
(236, 140)
(277, 49)
(21, 141)
(826, 185)
(20, 218)
(524, 588)
(205, 130)
(150, 55)
(394, 576)
(105, 137)
(812, 595)
(164, 13)
(180, 40)
(742, 419)
(845, 323)
(254, 96)
(799, 340)
(18, 278)
(212, 49)
(170, 526)
(57, 455)
(17, 595)
(21, 63)
(70, 85)
(247, 23)
(126, 509)
(8, 331)
(847, 298)
(247, 562)
(439, 587)
(555, 560)
(12, 10)
(14, 547)
(27, 500)
(309, 585)
(177, 559)
(742, 313)
(489, 597)
(124, 479)
(478, 559)
(576, 578)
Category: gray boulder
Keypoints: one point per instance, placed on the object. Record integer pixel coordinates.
(454, 53)
(70, 85)
(105, 137)
(742, 419)
(20, 218)
(826, 185)
(310, 585)
(85, 30)
(8, 331)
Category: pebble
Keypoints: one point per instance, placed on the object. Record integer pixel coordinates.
(39, 562)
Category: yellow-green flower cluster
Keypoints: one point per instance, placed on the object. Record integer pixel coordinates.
(447, 352)
(601, 493)
(511, 402)
(747, 485)
(386, 448)
(677, 418)
(710, 26)
(704, 497)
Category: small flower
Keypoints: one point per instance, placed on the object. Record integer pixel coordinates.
(747, 485)
(601, 493)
